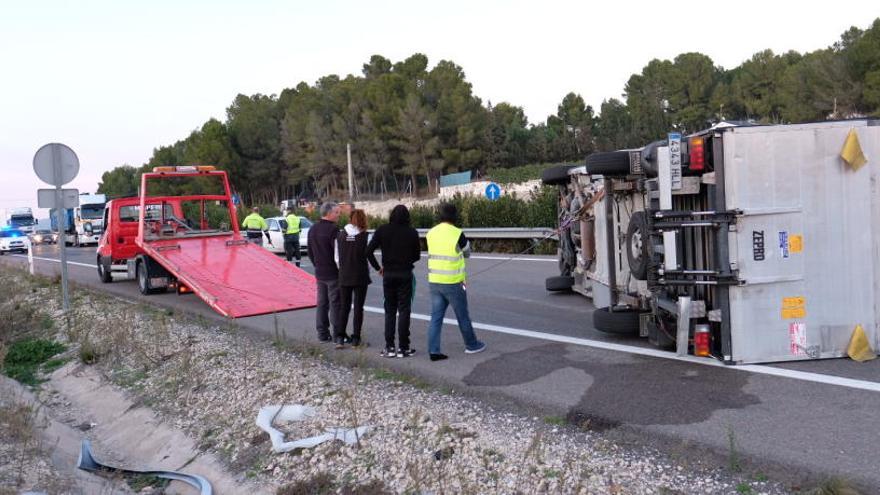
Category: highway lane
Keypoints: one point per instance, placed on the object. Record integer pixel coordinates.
(790, 427)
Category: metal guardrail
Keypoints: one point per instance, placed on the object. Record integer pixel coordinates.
(504, 233)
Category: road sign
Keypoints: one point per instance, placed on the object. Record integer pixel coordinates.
(47, 198)
(56, 164)
(493, 191)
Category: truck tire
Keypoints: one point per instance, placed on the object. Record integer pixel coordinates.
(557, 175)
(143, 279)
(619, 322)
(608, 163)
(104, 270)
(637, 242)
(557, 284)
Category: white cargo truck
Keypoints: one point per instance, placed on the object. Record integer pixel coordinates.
(85, 223)
(747, 243)
(21, 219)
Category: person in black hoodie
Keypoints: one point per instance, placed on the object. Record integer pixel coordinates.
(400, 249)
(354, 274)
(320, 247)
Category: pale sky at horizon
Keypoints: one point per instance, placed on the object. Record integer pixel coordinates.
(113, 79)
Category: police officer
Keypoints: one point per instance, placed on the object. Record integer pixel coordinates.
(447, 249)
(256, 227)
(291, 237)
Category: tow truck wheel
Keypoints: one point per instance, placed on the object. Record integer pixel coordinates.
(143, 279)
(621, 321)
(556, 175)
(104, 272)
(561, 283)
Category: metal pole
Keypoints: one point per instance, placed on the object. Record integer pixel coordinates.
(60, 212)
(350, 181)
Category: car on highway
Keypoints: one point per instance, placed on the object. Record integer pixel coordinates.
(277, 227)
(44, 236)
(13, 240)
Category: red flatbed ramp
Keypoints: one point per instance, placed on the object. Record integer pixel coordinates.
(235, 277)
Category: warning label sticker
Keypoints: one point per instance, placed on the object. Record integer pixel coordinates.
(797, 335)
(783, 244)
(796, 243)
(794, 308)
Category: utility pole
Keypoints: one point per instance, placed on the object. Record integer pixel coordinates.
(350, 180)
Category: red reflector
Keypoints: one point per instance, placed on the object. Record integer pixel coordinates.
(697, 154)
(702, 339)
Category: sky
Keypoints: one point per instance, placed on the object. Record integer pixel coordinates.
(115, 79)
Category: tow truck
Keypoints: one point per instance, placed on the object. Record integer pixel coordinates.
(169, 238)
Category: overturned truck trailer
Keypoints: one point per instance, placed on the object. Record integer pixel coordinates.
(747, 243)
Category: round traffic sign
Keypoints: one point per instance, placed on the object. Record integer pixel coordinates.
(56, 164)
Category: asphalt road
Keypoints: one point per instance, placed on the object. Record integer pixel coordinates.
(797, 423)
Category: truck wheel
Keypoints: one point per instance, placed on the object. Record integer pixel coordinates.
(143, 279)
(623, 321)
(556, 175)
(637, 242)
(104, 270)
(608, 163)
(561, 283)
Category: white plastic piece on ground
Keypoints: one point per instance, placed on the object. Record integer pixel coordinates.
(297, 412)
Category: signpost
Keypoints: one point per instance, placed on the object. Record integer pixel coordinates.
(493, 191)
(56, 165)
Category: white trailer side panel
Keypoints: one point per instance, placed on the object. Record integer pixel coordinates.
(808, 243)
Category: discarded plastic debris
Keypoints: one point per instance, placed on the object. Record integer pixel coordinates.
(859, 349)
(297, 412)
(87, 462)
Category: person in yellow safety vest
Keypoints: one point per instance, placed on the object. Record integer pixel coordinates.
(256, 227)
(447, 249)
(291, 237)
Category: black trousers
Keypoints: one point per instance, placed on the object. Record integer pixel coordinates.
(357, 295)
(291, 247)
(398, 305)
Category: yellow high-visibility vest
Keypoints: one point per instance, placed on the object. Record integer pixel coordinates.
(254, 222)
(445, 259)
(292, 224)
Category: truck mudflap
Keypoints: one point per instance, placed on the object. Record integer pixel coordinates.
(236, 278)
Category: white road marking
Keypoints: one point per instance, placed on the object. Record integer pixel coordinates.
(512, 258)
(609, 346)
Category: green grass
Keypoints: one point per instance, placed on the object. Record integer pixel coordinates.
(53, 364)
(554, 420)
(141, 481)
(25, 357)
(744, 489)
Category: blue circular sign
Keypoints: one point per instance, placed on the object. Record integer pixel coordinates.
(493, 191)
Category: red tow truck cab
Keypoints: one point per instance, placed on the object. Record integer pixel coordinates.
(182, 233)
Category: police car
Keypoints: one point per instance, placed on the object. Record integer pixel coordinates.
(13, 240)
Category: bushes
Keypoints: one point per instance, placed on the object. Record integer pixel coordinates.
(518, 174)
(506, 211)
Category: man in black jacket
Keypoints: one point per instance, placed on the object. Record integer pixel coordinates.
(320, 248)
(400, 249)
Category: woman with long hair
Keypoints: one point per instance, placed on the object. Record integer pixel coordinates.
(354, 275)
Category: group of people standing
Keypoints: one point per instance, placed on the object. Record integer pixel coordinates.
(342, 259)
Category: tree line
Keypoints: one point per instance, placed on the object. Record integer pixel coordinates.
(408, 123)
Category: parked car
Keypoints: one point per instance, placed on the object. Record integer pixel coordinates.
(13, 240)
(44, 236)
(277, 227)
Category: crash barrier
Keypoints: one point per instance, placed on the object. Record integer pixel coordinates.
(505, 233)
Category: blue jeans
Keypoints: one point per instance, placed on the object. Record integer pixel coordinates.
(442, 295)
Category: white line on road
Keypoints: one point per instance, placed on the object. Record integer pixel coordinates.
(512, 258)
(656, 353)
